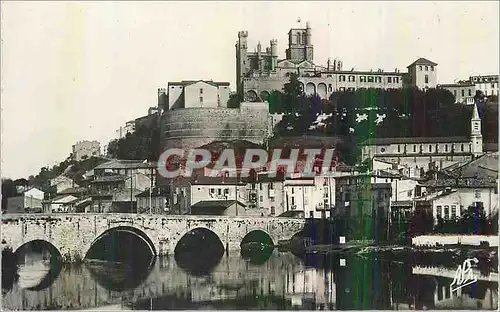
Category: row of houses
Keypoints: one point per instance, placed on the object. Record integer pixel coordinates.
(390, 190)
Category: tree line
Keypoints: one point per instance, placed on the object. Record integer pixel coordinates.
(409, 112)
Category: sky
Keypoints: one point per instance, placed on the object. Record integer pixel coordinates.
(79, 70)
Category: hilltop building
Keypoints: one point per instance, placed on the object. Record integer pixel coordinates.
(260, 73)
(195, 113)
(85, 149)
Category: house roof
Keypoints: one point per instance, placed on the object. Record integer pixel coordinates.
(213, 207)
(156, 192)
(415, 140)
(459, 84)
(292, 214)
(204, 180)
(217, 203)
(110, 178)
(190, 82)
(59, 198)
(422, 61)
(484, 166)
(73, 190)
(125, 164)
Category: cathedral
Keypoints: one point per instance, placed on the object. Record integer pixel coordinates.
(259, 73)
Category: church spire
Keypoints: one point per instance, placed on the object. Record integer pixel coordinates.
(475, 113)
(476, 136)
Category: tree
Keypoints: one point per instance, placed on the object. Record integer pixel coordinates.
(8, 190)
(420, 223)
(292, 93)
(234, 100)
(473, 220)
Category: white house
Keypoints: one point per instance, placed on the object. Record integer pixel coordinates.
(30, 200)
(61, 203)
(62, 183)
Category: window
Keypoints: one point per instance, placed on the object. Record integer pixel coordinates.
(370, 78)
(201, 91)
(432, 68)
(261, 187)
(211, 190)
(261, 198)
(430, 148)
(420, 67)
(463, 92)
(396, 79)
(226, 191)
(219, 192)
(352, 79)
(389, 79)
(341, 89)
(399, 148)
(493, 86)
(446, 212)
(342, 78)
(477, 194)
(293, 201)
(455, 93)
(438, 212)
(330, 87)
(362, 78)
(426, 68)
(201, 99)
(271, 186)
(462, 147)
(273, 210)
(426, 78)
(470, 92)
(446, 147)
(453, 211)
(293, 191)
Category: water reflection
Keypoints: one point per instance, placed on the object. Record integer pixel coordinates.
(116, 276)
(284, 281)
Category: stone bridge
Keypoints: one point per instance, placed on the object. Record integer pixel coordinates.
(73, 234)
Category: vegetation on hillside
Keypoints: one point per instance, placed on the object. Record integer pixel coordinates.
(143, 143)
(70, 168)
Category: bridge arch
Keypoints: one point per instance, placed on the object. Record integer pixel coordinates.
(17, 250)
(183, 234)
(258, 233)
(125, 229)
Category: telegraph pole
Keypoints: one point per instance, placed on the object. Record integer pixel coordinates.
(131, 202)
(150, 190)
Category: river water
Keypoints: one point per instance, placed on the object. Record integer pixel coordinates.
(271, 281)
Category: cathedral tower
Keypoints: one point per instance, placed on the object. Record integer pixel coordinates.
(241, 60)
(300, 46)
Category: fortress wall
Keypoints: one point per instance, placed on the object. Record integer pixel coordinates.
(194, 127)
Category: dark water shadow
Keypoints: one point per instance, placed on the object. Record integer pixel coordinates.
(257, 256)
(199, 252)
(198, 263)
(116, 276)
(10, 274)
